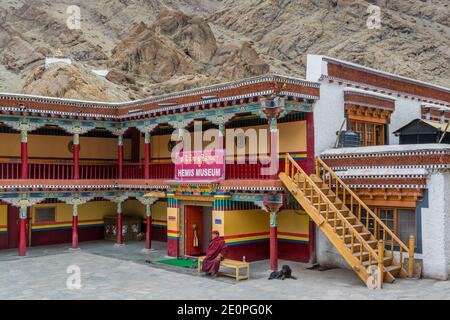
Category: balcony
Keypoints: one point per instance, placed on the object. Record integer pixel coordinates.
(110, 171)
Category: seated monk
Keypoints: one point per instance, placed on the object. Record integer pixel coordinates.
(214, 254)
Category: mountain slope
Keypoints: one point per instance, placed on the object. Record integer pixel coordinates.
(156, 46)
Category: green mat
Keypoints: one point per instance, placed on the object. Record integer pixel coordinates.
(184, 263)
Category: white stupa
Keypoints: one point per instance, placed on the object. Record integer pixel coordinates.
(57, 58)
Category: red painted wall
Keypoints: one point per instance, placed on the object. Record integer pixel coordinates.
(159, 234)
(42, 238)
(173, 247)
(252, 251)
(293, 251)
(4, 241)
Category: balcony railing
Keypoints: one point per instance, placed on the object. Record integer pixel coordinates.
(95, 171)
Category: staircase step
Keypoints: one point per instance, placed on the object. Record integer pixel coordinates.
(357, 254)
(356, 226)
(316, 196)
(393, 269)
(362, 234)
(372, 243)
(350, 219)
(386, 262)
(365, 254)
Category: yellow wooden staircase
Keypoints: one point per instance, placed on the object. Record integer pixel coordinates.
(357, 233)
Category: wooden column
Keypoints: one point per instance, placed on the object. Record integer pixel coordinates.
(273, 241)
(148, 233)
(23, 231)
(74, 226)
(76, 156)
(119, 224)
(24, 154)
(120, 155)
(147, 153)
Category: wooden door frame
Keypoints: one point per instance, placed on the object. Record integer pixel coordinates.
(181, 220)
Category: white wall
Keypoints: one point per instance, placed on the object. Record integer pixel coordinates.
(435, 228)
(446, 192)
(328, 116)
(326, 253)
(406, 110)
(329, 110)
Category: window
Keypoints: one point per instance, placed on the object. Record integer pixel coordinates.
(406, 224)
(401, 221)
(44, 215)
(372, 134)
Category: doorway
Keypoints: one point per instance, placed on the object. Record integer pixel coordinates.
(197, 229)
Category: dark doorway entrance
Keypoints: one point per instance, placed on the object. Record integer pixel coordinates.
(197, 229)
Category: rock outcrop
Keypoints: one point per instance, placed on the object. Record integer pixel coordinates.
(71, 81)
(179, 51)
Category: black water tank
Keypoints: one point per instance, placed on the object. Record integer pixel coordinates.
(349, 139)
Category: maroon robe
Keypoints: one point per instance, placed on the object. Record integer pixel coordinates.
(211, 264)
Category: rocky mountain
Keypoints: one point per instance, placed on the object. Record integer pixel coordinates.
(156, 46)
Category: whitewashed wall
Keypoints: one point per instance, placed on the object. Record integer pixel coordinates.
(328, 116)
(406, 110)
(326, 253)
(435, 228)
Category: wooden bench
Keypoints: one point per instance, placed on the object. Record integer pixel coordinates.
(233, 264)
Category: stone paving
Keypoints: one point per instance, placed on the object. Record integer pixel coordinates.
(109, 272)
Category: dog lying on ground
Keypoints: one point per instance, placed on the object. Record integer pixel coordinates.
(284, 273)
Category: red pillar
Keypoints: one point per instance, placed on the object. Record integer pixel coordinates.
(24, 154)
(274, 148)
(119, 224)
(23, 231)
(273, 242)
(147, 156)
(310, 142)
(120, 155)
(76, 156)
(75, 227)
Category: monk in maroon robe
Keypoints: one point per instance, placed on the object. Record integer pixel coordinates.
(214, 254)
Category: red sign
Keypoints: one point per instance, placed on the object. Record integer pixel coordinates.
(200, 165)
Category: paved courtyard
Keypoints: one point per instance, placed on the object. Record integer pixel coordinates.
(109, 272)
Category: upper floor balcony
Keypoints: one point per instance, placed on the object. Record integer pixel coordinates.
(45, 138)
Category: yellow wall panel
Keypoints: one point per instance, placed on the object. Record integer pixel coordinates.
(9, 145)
(172, 219)
(94, 210)
(293, 222)
(133, 207)
(41, 146)
(3, 215)
(159, 210)
(292, 136)
(218, 216)
(159, 147)
(243, 222)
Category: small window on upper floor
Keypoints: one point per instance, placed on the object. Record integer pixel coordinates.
(372, 134)
(45, 214)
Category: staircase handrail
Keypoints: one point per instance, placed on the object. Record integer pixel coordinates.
(368, 210)
(331, 205)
